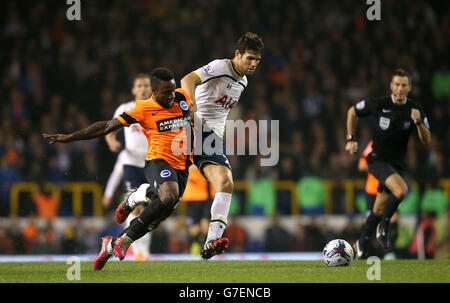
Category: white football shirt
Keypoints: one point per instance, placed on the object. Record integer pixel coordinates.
(219, 92)
(135, 141)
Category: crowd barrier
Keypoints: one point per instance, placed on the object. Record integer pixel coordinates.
(76, 190)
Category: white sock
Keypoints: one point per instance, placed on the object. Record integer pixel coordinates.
(130, 217)
(109, 248)
(139, 197)
(219, 214)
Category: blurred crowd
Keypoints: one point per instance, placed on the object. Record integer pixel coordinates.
(58, 76)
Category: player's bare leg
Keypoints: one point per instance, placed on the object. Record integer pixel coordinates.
(222, 180)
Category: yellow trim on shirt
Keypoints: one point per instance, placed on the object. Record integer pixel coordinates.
(198, 76)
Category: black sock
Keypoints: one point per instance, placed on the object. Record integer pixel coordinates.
(389, 210)
(369, 228)
(139, 226)
(151, 213)
(136, 230)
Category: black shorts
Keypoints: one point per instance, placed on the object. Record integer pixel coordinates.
(133, 176)
(198, 210)
(382, 169)
(158, 171)
(208, 153)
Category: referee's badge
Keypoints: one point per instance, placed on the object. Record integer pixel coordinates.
(384, 123)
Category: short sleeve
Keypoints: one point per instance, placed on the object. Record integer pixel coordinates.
(186, 95)
(135, 115)
(213, 69)
(366, 107)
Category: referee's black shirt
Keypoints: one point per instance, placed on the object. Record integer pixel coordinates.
(393, 125)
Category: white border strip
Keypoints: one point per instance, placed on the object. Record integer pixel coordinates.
(300, 256)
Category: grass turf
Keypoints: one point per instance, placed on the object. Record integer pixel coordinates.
(393, 271)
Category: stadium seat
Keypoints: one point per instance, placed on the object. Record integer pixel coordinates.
(360, 202)
(311, 195)
(434, 200)
(235, 207)
(409, 205)
(262, 198)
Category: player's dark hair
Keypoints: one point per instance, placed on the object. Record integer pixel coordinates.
(250, 41)
(402, 73)
(159, 75)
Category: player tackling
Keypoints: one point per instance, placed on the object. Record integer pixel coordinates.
(215, 89)
(165, 120)
(133, 157)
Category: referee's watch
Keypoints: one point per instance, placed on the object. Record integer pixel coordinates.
(418, 123)
(350, 137)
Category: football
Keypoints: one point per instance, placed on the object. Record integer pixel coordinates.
(338, 252)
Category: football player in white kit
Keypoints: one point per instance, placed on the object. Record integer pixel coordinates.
(215, 89)
(132, 157)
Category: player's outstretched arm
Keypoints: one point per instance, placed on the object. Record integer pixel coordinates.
(94, 130)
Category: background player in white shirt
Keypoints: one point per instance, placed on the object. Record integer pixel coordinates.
(132, 158)
(114, 181)
(215, 88)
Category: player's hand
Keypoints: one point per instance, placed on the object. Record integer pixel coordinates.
(115, 146)
(351, 147)
(415, 115)
(106, 202)
(56, 138)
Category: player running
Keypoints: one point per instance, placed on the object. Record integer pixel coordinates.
(215, 89)
(165, 120)
(133, 157)
(397, 116)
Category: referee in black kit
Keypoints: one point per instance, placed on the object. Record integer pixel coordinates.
(396, 118)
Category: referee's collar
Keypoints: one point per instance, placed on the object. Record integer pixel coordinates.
(393, 100)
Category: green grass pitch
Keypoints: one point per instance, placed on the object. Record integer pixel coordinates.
(392, 271)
